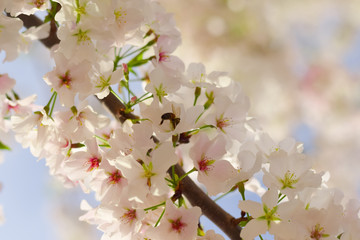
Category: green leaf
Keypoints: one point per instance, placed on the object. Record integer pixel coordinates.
(241, 189)
(4, 147)
(138, 59)
(243, 223)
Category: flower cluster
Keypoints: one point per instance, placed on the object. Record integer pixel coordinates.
(187, 116)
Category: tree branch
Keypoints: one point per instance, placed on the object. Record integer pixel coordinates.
(30, 21)
(192, 192)
(209, 208)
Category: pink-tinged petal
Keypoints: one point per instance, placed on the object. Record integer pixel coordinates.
(6, 83)
(285, 230)
(177, 223)
(254, 208)
(217, 148)
(216, 178)
(253, 229)
(270, 198)
(163, 157)
(92, 146)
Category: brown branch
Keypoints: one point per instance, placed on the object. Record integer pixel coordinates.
(30, 21)
(209, 208)
(117, 108)
(192, 192)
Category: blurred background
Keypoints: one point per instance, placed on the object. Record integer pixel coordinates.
(298, 61)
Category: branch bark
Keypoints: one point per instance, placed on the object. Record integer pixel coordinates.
(30, 21)
(192, 192)
(209, 208)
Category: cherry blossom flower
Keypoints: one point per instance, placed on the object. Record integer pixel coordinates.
(213, 172)
(123, 18)
(108, 183)
(104, 77)
(170, 118)
(161, 22)
(196, 74)
(146, 174)
(27, 7)
(32, 130)
(82, 163)
(131, 138)
(23, 106)
(309, 222)
(129, 217)
(290, 173)
(229, 117)
(265, 216)
(68, 79)
(73, 11)
(79, 124)
(76, 44)
(163, 82)
(165, 45)
(177, 223)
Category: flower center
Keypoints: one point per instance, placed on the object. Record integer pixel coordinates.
(148, 173)
(114, 177)
(120, 16)
(15, 107)
(82, 36)
(177, 225)
(205, 164)
(103, 82)
(80, 118)
(163, 56)
(93, 162)
(38, 3)
(270, 215)
(128, 216)
(222, 123)
(160, 92)
(289, 180)
(318, 232)
(65, 79)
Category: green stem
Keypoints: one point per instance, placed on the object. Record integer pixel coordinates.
(53, 104)
(51, 98)
(47, 106)
(102, 139)
(145, 99)
(155, 207)
(200, 116)
(223, 195)
(200, 128)
(158, 221)
(281, 197)
(137, 50)
(141, 99)
(105, 145)
(131, 47)
(117, 96)
(182, 177)
(144, 95)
